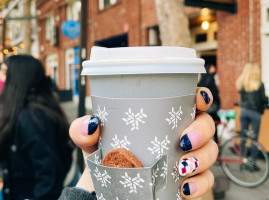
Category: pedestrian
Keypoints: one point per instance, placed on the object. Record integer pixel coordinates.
(252, 103)
(197, 136)
(35, 148)
(208, 80)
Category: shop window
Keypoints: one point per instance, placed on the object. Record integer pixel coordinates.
(201, 38)
(50, 24)
(106, 3)
(154, 36)
(73, 10)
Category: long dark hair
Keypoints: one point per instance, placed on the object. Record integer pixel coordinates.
(28, 87)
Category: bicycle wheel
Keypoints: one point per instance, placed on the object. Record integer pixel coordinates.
(240, 165)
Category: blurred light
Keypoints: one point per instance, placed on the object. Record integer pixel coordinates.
(5, 51)
(22, 45)
(15, 52)
(14, 48)
(1, 21)
(205, 11)
(205, 25)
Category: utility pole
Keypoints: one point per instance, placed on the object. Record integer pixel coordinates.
(82, 79)
(83, 55)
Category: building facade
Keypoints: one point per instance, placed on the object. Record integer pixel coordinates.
(228, 40)
(59, 51)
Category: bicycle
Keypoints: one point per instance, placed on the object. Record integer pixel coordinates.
(235, 154)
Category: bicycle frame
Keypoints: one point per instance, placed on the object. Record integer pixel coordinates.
(239, 159)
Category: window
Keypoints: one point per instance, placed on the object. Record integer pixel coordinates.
(105, 3)
(201, 38)
(49, 27)
(73, 10)
(154, 36)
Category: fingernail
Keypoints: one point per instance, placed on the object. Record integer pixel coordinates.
(190, 140)
(89, 125)
(189, 188)
(188, 166)
(205, 96)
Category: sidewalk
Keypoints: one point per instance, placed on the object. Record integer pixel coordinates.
(235, 192)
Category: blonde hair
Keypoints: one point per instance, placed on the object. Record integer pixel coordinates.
(250, 79)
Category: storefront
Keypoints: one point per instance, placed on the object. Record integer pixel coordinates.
(72, 69)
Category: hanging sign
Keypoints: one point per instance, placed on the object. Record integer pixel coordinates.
(71, 28)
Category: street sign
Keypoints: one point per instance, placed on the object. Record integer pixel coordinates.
(71, 28)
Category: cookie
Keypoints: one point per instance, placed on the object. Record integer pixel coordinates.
(121, 158)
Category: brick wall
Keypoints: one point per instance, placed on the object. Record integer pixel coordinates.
(234, 48)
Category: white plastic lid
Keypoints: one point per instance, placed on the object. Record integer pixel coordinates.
(142, 60)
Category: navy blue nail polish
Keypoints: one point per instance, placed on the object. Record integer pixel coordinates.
(205, 96)
(186, 189)
(92, 125)
(185, 143)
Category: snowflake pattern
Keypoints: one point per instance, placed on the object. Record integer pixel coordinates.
(101, 197)
(175, 172)
(193, 112)
(174, 117)
(132, 183)
(120, 143)
(102, 115)
(159, 147)
(97, 160)
(178, 195)
(134, 119)
(154, 176)
(164, 168)
(103, 177)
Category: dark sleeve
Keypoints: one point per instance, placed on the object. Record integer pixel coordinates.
(76, 193)
(38, 140)
(264, 99)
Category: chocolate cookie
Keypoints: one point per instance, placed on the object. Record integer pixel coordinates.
(121, 158)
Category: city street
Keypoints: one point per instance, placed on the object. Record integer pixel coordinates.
(235, 192)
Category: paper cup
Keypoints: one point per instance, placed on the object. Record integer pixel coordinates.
(144, 98)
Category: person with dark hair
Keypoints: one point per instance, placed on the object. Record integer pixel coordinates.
(35, 148)
(208, 80)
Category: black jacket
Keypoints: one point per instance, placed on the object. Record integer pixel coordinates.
(207, 80)
(35, 168)
(256, 100)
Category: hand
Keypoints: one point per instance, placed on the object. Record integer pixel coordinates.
(195, 139)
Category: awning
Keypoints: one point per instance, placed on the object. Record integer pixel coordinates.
(223, 5)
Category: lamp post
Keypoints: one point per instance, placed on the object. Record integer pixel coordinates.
(83, 55)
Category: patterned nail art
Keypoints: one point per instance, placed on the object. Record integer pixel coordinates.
(205, 96)
(186, 189)
(89, 126)
(185, 143)
(188, 166)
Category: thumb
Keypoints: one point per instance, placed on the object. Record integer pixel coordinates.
(84, 132)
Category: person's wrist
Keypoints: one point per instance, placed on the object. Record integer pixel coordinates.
(85, 181)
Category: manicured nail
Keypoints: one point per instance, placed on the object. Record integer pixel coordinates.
(205, 96)
(188, 166)
(89, 126)
(190, 140)
(189, 188)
